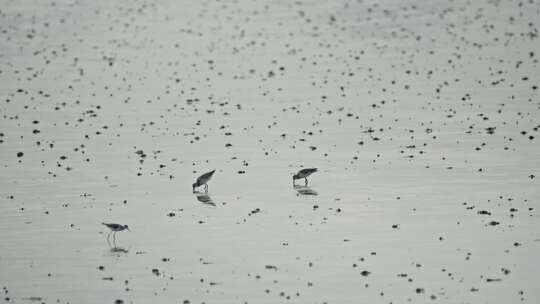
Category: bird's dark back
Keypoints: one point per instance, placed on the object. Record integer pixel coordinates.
(307, 171)
(113, 226)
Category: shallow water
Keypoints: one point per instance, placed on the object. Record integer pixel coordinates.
(422, 118)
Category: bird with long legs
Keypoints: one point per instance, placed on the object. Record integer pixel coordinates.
(114, 229)
(304, 173)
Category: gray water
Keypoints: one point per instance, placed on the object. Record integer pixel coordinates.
(421, 116)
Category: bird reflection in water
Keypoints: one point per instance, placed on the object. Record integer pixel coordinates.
(118, 250)
(304, 190)
(204, 198)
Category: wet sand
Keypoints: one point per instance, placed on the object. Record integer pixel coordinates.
(422, 118)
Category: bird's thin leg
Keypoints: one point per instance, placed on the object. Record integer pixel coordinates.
(306, 181)
(206, 188)
(108, 238)
(114, 239)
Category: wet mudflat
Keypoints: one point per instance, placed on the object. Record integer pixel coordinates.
(422, 118)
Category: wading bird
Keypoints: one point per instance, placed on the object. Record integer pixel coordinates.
(114, 229)
(304, 173)
(203, 180)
